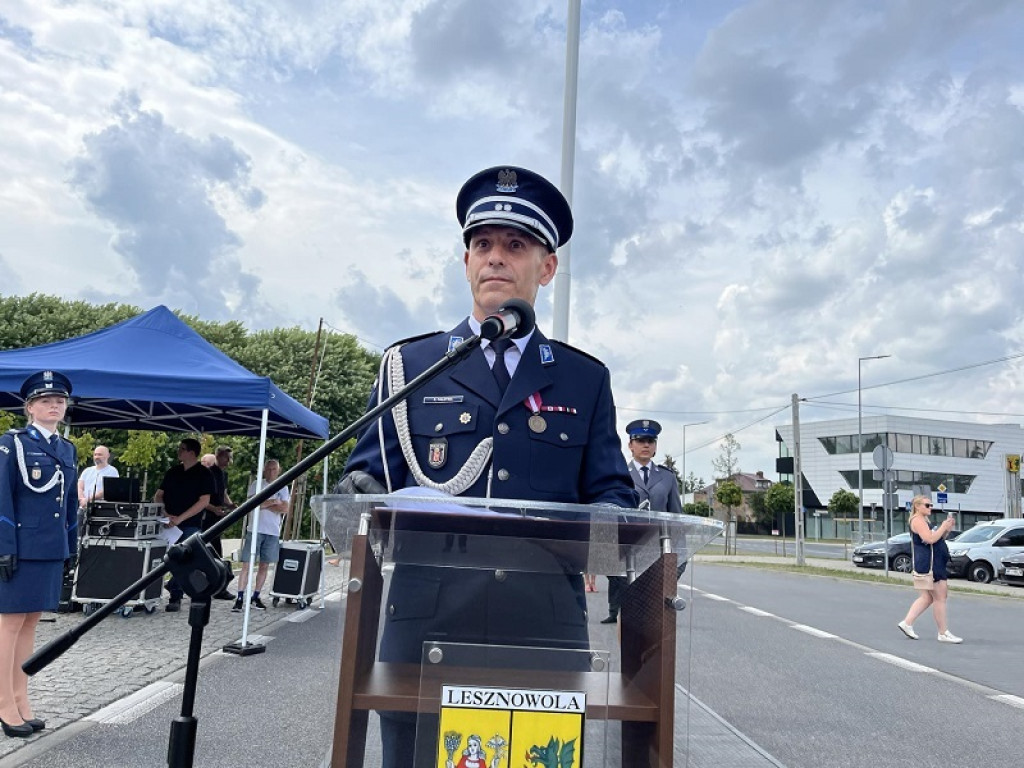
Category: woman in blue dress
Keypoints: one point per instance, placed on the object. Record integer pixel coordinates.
(38, 533)
(930, 553)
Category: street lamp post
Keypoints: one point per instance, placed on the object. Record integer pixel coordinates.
(691, 424)
(860, 448)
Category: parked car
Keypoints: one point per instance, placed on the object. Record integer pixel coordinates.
(870, 555)
(1012, 571)
(978, 551)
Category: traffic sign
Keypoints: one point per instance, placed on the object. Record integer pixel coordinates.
(942, 487)
(882, 456)
(941, 498)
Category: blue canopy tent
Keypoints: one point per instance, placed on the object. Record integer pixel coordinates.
(154, 372)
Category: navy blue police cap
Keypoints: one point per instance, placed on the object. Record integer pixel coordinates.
(643, 428)
(508, 196)
(45, 383)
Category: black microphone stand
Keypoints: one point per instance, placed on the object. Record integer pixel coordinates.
(195, 565)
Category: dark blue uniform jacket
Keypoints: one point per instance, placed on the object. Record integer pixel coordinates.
(576, 458)
(38, 526)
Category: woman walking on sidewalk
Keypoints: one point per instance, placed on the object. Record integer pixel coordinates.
(930, 555)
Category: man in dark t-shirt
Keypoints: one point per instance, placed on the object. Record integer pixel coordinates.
(220, 501)
(185, 491)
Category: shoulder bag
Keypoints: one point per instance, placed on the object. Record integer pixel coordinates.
(922, 581)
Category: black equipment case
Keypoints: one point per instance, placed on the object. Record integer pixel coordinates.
(297, 575)
(105, 528)
(107, 566)
(113, 510)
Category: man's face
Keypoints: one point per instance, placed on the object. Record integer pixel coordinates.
(271, 471)
(505, 263)
(223, 460)
(643, 448)
(100, 456)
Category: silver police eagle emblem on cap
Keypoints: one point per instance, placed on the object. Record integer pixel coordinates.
(507, 181)
(47, 375)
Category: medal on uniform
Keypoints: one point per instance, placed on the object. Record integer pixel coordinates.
(37, 473)
(437, 453)
(537, 423)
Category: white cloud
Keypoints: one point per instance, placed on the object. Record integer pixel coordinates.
(764, 190)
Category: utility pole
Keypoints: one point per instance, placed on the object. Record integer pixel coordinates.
(798, 489)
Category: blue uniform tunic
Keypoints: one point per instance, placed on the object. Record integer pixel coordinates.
(576, 458)
(40, 528)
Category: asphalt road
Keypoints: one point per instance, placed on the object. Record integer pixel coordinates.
(814, 670)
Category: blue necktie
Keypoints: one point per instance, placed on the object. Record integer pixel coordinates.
(645, 470)
(499, 369)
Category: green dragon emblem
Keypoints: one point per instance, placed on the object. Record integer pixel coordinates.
(554, 755)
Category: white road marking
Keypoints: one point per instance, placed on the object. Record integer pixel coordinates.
(1006, 698)
(757, 612)
(131, 708)
(902, 663)
(721, 599)
(304, 615)
(813, 631)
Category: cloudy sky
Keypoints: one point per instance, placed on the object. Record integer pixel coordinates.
(765, 191)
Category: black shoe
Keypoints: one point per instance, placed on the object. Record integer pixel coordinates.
(224, 595)
(258, 604)
(173, 606)
(20, 731)
(36, 723)
(237, 606)
(610, 620)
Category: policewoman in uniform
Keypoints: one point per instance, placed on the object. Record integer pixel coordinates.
(528, 418)
(658, 491)
(38, 533)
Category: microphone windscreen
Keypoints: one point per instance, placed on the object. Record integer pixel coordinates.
(527, 317)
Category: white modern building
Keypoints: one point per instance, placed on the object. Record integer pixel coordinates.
(971, 463)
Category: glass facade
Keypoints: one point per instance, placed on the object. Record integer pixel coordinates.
(907, 479)
(900, 442)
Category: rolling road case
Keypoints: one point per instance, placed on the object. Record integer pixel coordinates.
(107, 566)
(297, 575)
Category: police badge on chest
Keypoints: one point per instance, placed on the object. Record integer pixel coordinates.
(37, 473)
(437, 453)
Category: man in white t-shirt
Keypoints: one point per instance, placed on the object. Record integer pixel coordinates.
(90, 482)
(268, 537)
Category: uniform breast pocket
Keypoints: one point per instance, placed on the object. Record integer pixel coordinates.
(443, 419)
(557, 453)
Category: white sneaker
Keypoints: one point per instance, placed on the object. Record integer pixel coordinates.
(949, 637)
(907, 630)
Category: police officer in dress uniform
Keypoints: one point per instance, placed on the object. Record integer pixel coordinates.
(532, 421)
(658, 491)
(38, 533)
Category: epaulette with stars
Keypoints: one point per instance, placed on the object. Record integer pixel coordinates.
(577, 351)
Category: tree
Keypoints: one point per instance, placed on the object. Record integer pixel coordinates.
(670, 463)
(727, 463)
(759, 507)
(729, 494)
(778, 501)
(694, 483)
(843, 504)
(698, 508)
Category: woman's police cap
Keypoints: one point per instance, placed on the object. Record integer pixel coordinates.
(45, 383)
(643, 428)
(507, 196)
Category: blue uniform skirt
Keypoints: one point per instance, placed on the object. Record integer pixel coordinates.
(35, 587)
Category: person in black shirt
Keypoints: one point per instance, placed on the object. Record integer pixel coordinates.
(220, 501)
(185, 492)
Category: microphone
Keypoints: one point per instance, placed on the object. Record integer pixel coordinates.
(514, 319)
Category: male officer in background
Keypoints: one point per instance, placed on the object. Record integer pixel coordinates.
(658, 491)
(529, 418)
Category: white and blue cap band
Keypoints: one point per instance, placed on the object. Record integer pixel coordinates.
(515, 197)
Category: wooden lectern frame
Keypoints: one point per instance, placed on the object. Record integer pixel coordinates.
(641, 695)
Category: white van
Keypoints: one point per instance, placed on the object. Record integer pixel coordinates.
(977, 553)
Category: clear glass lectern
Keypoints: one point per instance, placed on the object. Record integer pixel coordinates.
(466, 619)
